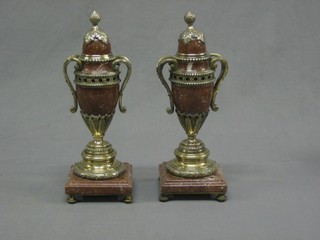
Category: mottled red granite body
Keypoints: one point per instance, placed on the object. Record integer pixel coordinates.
(98, 101)
(193, 47)
(193, 66)
(96, 68)
(192, 99)
(96, 48)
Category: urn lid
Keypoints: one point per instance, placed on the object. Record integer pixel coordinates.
(191, 41)
(96, 42)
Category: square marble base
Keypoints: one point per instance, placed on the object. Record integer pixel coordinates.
(171, 185)
(121, 186)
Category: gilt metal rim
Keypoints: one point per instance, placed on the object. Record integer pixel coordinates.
(197, 171)
(192, 57)
(97, 58)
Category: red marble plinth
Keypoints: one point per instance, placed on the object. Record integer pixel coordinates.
(171, 185)
(121, 186)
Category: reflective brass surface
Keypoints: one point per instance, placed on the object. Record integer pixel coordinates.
(191, 157)
(191, 160)
(95, 32)
(98, 161)
(216, 58)
(78, 66)
(98, 158)
(173, 65)
(190, 33)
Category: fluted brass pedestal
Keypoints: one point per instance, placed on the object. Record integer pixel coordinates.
(121, 186)
(170, 185)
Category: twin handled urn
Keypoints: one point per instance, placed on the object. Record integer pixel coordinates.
(194, 87)
(99, 89)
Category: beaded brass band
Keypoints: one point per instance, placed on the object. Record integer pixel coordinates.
(96, 58)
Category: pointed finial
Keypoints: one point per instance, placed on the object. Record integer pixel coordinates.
(95, 33)
(95, 18)
(189, 18)
(191, 34)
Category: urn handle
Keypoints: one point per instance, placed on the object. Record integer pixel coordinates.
(173, 65)
(215, 58)
(115, 67)
(78, 66)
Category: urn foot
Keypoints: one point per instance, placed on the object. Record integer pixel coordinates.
(191, 160)
(99, 162)
(98, 171)
(179, 169)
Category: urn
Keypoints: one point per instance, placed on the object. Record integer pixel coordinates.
(192, 89)
(98, 90)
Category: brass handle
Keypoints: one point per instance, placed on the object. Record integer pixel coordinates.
(173, 65)
(78, 66)
(115, 67)
(224, 70)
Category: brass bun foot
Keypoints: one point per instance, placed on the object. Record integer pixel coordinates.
(121, 186)
(170, 185)
(221, 197)
(163, 198)
(128, 199)
(71, 199)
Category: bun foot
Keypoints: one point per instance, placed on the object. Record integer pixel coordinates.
(71, 199)
(221, 198)
(164, 198)
(128, 199)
